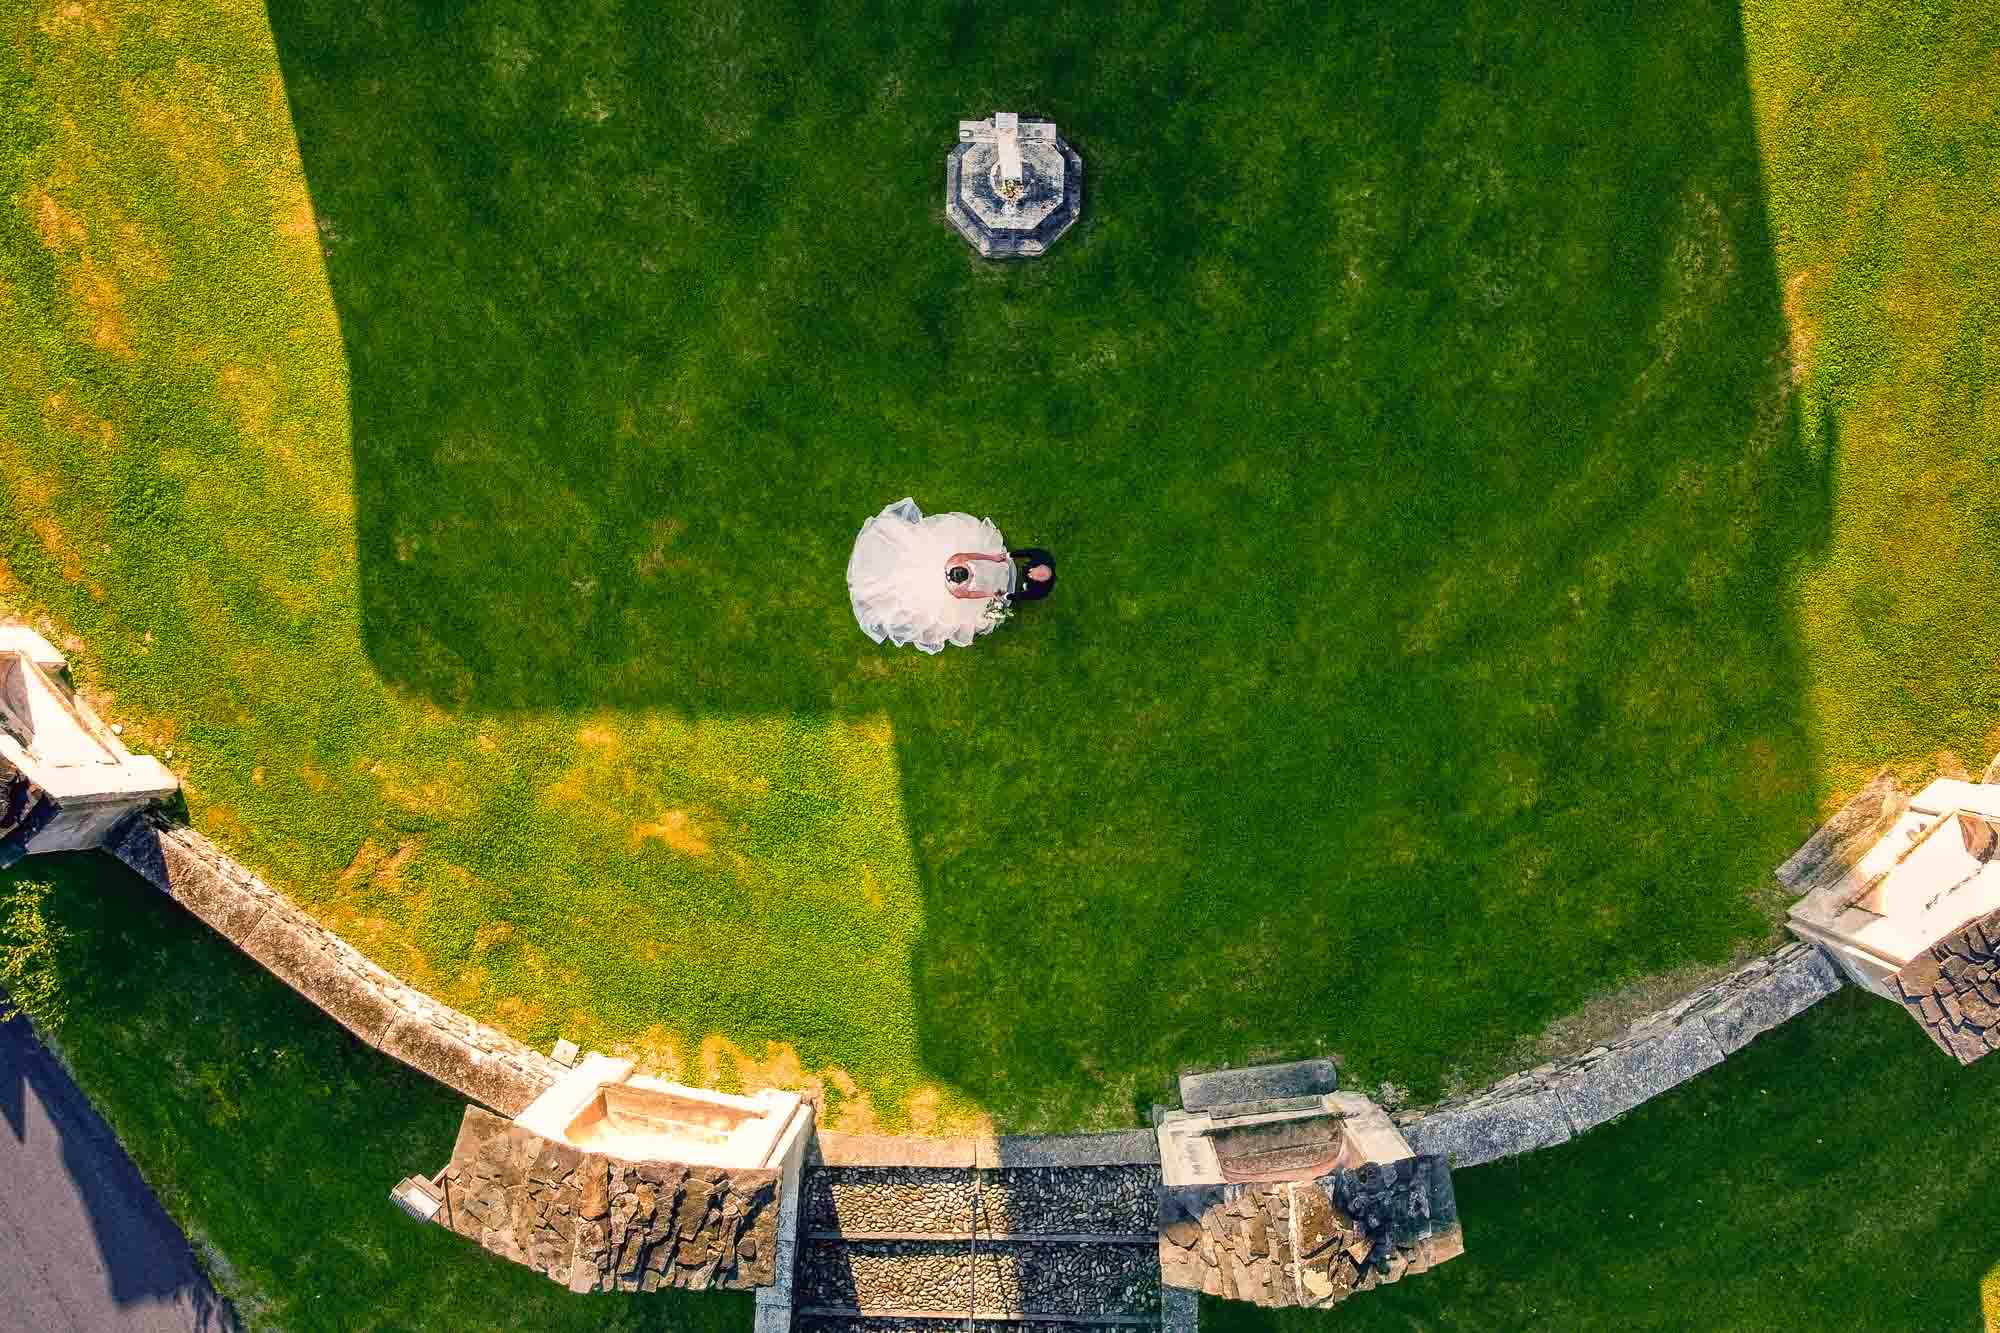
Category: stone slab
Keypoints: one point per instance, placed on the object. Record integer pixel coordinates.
(497, 1083)
(1180, 1310)
(1131, 1147)
(1852, 830)
(190, 879)
(1504, 1127)
(1628, 1075)
(1226, 1087)
(830, 1149)
(299, 956)
(1800, 977)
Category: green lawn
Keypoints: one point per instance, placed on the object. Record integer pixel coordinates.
(1511, 473)
(267, 1131)
(1837, 1174)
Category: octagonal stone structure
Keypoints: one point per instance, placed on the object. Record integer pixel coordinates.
(1012, 186)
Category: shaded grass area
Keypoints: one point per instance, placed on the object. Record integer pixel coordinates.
(1836, 1174)
(460, 491)
(267, 1131)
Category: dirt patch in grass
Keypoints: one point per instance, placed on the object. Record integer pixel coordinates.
(59, 228)
(96, 293)
(676, 828)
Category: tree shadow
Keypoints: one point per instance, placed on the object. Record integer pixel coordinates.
(144, 1256)
(1411, 410)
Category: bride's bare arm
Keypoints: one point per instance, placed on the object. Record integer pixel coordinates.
(963, 556)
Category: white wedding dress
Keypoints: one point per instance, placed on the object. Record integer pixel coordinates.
(896, 578)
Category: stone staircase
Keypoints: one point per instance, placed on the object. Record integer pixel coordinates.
(892, 1248)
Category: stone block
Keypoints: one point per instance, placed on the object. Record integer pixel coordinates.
(498, 1083)
(1839, 842)
(299, 956)
(177, 866)
(1132, 1147)
(1799, 977)
(1487, 1131)
(1636, 1071)
(1226, 1087)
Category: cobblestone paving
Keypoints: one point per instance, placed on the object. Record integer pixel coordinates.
(876, 1286)
(889, 1199)
(1021, 1201)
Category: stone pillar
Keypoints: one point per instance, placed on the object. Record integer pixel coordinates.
(66, 780)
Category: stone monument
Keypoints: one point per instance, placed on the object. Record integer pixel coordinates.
(1281, 1190)
(66, 780)
(1904, 894)
(1012, 186)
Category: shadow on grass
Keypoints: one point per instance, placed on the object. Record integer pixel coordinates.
(1411, 411)
(278, 1132)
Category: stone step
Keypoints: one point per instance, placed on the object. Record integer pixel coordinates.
(1028, 1201)
(844, 1321)
(888, 1199)
(998, 1277)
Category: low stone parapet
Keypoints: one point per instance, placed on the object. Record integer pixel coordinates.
(1541, 1107)
(482, 1063)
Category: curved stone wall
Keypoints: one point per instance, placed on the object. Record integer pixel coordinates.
(484, 1064)
(1541, 1107)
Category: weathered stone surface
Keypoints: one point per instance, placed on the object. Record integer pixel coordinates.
(1119, 1148)
(1312, 1243)
(1547, 1105)
(298, 955)
(1224, 1087)
(1799, 976)
(1595, 1090)
(476, 1060)
(509, 1189)
(1838, 843)
(1502, 1125)
(1949, 990)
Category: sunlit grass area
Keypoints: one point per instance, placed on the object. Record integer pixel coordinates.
(270, 1134)
(1510, 478)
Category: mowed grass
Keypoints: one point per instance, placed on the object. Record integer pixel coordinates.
(268, 1133)
(445, 432)
(1761, 1195)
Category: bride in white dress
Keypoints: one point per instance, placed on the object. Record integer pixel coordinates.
(922, 582)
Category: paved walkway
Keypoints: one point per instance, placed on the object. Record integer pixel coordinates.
(84, 1245)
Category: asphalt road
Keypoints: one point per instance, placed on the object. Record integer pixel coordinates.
(84, 1245)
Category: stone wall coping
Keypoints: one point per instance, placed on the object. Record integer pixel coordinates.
(482, 1063)
(1552, 1103)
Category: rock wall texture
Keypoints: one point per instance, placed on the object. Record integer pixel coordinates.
(1312, 1243)
(482, 1063)
(1550, 1104)
(595, 1223)
(1952, 989)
